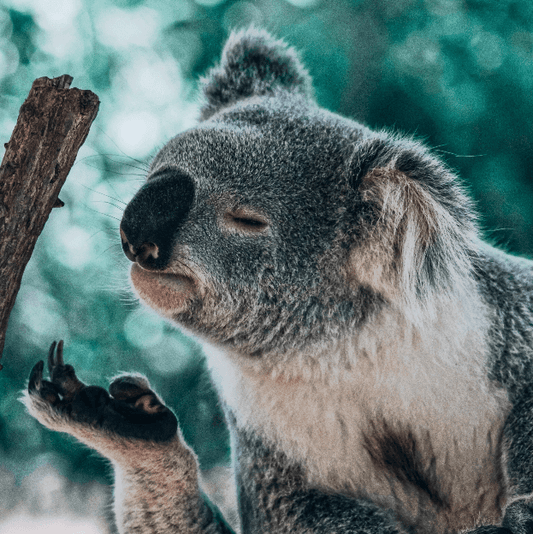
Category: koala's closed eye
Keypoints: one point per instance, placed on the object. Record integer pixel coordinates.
(245, 221)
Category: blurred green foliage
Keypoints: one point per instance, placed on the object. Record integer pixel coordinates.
(458, 73)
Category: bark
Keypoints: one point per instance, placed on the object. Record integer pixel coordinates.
(53, 123)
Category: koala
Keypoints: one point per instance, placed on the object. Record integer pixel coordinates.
(373, 356)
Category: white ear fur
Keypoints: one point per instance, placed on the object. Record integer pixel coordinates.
(413, 251)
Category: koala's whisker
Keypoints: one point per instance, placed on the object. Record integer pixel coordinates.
(140, 162)
(105, 195)
(106, 169)
(141, 165)
(118, 207)
(102, 213)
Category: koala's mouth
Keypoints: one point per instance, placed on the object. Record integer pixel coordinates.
(163, 291)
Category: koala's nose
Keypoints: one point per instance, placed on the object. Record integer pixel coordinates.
(153, 218)
(143, 254)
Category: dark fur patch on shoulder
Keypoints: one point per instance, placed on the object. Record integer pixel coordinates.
(410, 461)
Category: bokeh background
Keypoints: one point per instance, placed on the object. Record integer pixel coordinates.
(456, 73)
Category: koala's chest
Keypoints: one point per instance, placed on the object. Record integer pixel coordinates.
(371, 433)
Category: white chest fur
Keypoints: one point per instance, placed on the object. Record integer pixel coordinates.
(320, 407)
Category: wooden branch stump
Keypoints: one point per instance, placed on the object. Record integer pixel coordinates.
(53, 123)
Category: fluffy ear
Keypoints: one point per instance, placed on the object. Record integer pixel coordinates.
(418, 230)
(253, 63)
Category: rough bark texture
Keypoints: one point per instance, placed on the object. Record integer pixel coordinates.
(53, 123)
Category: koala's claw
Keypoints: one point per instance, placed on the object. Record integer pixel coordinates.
(130, 409)
(59, 359)
(63, 384)
(46, 390)
(36, 377)
(63, 376)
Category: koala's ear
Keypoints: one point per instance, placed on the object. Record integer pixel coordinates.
(418, 227)
(253, 63)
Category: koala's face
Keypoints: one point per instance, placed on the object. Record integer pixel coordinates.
(274, 225)
(239, 233)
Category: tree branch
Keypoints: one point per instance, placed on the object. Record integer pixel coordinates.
(53, 123)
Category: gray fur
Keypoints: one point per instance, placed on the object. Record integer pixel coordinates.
(373, 356)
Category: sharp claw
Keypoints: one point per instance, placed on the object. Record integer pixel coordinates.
(51, 363)
(36, 377)
(60, 353)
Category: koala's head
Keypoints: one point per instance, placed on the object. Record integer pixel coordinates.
(275, 224)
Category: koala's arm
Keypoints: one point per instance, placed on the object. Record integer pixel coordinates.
(161, 494)
(156, 473)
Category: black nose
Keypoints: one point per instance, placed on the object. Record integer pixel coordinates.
(154, 216)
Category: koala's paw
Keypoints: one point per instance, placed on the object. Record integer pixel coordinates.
(130, 409)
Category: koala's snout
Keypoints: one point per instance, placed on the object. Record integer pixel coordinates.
(153, 218)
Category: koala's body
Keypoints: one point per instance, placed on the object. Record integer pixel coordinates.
(373, 356)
